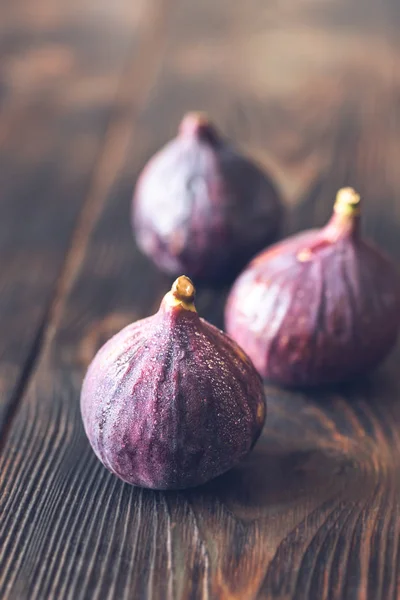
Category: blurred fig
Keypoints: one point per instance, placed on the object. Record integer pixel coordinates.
(201, 207)
(322, 306)
(170, 401)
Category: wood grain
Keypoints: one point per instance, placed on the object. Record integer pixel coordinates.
(58, 94)
(312, 90)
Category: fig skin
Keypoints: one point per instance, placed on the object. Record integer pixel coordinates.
(202, 208)
(320, 307)
(170, 401)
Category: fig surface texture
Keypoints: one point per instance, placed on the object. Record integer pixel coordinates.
(322, 306)
(201, 207)
(171, 401)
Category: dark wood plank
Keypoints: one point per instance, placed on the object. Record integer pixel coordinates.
(313, 91)
(61, 63)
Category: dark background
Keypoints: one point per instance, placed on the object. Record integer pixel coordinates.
(89, 89)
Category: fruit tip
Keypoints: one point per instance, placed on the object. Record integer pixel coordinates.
(199, 117)
(183, 289)
(197, 123)
(181, 295)
(347, 201)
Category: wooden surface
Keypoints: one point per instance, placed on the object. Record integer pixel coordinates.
(88, 91)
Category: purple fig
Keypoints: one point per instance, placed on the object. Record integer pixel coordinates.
(322, 306)
(201, 207)
(170, 401)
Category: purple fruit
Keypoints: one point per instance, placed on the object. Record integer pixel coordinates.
(170, 401)
(201, 207)
(322, 306)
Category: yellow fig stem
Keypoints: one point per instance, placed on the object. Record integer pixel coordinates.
(347, 202)
(182, 294)
(344, 222)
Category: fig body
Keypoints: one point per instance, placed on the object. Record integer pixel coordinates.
(170, 401)
(202, 208)
(320, 307)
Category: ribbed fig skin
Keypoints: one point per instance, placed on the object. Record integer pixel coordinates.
(320, 307)
(202, 208)
(171, 402)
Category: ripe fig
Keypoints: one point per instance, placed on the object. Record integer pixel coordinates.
(170, 401)
(322, 306)
(201, 207)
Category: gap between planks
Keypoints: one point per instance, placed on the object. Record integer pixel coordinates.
(135, 84)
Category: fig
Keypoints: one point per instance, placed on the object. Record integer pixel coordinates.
(170, 401)
(320, 307)
(202, 208)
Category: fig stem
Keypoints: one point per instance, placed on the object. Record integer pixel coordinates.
(347, 202)
(183, 289)
(194, 121)
(198, 125)
(182, 294)
(345, 220)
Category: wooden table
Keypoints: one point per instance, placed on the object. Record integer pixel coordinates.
(89, 89)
